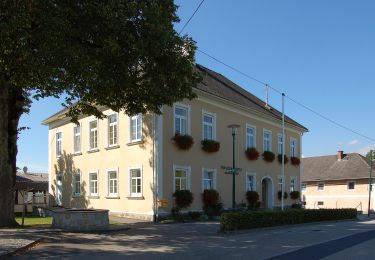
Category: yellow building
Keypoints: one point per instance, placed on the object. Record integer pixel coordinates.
(336, 181)
(131, 165)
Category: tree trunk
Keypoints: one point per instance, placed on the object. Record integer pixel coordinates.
(11, 109)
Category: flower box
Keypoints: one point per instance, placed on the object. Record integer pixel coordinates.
(268, 156)
(295, 161)
(252, 154)
(183, 142)
(210, 146)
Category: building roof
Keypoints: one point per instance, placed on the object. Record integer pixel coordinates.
(31, 181)
(216, 84)
(324, 168)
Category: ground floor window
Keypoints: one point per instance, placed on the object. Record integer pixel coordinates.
(351, 185)
(208, 179)
(112, 183)
(93, 183)
(293, 183)
(135, 182)
(77, 183)
(320, 186)
(250, 182)
(280, 183)
(181, 178)
(320, 203)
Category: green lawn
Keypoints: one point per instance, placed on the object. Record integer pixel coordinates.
(34, 221)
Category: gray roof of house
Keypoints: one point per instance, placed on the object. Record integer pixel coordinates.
(216, 84)
(323, 168)
(31, 181)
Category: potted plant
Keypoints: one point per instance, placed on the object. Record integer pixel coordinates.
(252, 153)
(210, 146)
(280, 157)
(252, 198)
(211, 203)
(268, 156)
(183, 142)
(295, 161)
(279, 195)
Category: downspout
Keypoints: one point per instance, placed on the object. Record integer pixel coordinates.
(154, 171)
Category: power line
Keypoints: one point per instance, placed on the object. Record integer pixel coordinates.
(191, 17)
(290, 98)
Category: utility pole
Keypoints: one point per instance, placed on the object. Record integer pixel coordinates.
(370, 185)
(283, 154)
(234, 170)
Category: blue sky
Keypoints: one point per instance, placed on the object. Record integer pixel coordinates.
(321, 53)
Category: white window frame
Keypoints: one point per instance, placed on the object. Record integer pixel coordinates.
(114, 125)
(324, 186)
(294, 179)
(280, 143)
(214, 174)
(97, 183)
(213, 124)
(74, 179)
(77, 135)
(97, 135)
(254, 136)
(254, 181)
(188, 173)
(131, 193)
(270, 139)
(136, 117)
(303, 186)
(293, 148)
(59, 144)
(109, 194)
(183, 106)
(347, 185)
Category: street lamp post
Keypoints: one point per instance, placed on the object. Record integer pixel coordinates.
(370, 185)
(234, 171)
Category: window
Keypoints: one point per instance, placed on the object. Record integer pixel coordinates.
(93, 183)
(250, 136)
(112, 183)
(293, 147)
(281, 183)
(136, 128)
(112, 130)
(320, 203)
(77, 184)
(280, 144)
(181, 178)
(321, 186)
(209, 126)
(93, 126)
(304, 186)
(58, 144)
(181, 119)
(250, 182)
(77, 139)
(208, 179)
(351, 185)
(267, 140)
(135, 182)
(293, 183)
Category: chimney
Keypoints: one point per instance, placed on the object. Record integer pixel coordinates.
(340, 155)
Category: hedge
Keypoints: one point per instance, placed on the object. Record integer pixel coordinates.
(257, 219)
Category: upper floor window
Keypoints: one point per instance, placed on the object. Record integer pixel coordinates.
(181, 119)
(303, 186)
(77, 183)
(351, 185)
(250, 182)
(250, 136)
(293, 183)
(77, 139)
(136, 127)
(58, 144)
(93, 126)
(181, 178)
(280, 144)
(135, 182)
(293, 147)
(321, 186)
(112, 130)
(267, 140)
(208, 179)
(209, 125)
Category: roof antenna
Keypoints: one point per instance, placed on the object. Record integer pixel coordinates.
(267, 88)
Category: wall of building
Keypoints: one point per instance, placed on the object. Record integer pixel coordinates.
(337, 195)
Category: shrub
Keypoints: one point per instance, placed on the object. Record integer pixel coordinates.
(296, 206)
(279, 195)
(210, 146)
(252, 154)
(183, 142)
(252, 198)
(257, 219)
(295, 161)
(268, 156)
(211, 203)
(183, 198)
(295, 195)
(280, 157)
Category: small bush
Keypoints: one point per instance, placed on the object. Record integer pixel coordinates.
(183, 198)
(211, 203)
(268, 156)
(183, 142)
(280, 158)
(296, 206)
(252, 154)
(210, 146)
(257, 219)
(279, 195)
(252, 198)
(295, 195)
(295, 161)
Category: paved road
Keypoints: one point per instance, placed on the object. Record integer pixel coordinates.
(201, 241)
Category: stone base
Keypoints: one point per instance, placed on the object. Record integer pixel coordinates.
(140, 216)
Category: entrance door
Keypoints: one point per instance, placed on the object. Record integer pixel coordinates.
(267, 193)
(59, 190)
